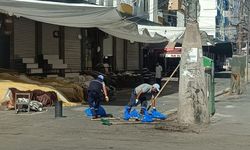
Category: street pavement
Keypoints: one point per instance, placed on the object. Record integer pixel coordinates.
(229, 128)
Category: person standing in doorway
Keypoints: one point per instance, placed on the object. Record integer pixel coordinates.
(158, 73)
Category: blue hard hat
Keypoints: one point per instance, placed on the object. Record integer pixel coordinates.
(101, 77)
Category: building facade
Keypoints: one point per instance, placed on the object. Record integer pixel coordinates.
(227, 20)
(207, 17)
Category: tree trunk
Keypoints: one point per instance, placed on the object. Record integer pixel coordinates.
(193, 101)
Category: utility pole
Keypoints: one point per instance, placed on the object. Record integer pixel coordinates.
(193, 101)
(248, 41)
(240, 30)
(239, 75)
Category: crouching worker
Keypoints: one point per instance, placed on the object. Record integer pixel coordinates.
(140, 95)
(96, 90)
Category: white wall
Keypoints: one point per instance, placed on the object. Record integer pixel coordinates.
(207, 20)
(116, 3)
(105, 2)
(108, 2)
(153, 10)
(142, 8)
(180, 19)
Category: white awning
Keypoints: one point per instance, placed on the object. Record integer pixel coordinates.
(64, 14)
(85, 16)
(171, 33)
(129, 30)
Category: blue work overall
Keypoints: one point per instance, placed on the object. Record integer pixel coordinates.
(95, 95)
(143, 98)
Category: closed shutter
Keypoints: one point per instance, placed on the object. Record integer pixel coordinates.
(24, 38)
(108, 46)
(50, 44)
(133, 56)
(73, 49)
(119, 54)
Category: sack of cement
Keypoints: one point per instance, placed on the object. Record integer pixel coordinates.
(23, 100)
(36, 106)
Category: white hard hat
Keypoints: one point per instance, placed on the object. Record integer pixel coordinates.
(101, 77)
(156, 86)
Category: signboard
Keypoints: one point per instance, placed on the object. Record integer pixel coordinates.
(193, 55)
(173, 52)
(172, 55)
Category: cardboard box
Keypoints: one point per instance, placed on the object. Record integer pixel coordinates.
(174, 5)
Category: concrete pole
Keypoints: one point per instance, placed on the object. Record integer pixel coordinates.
(240, 31)
(193, 100)
(248, 47)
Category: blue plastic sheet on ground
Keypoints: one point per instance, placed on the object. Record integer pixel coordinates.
(147, 117)
(134, 114)
(126, 115)
(157, 115)
(100, 112)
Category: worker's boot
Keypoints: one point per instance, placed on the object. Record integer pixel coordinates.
(126, 115)
(94, 115)
(143, 111)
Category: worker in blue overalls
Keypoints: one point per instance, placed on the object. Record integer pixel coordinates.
(140, 95)
(96, 90)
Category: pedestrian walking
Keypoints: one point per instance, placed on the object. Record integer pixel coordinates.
(158, 73)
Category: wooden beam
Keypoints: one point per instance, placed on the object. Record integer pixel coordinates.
(114, 53)
(125, 53)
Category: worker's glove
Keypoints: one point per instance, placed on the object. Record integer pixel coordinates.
(106, 98)
(136, 101)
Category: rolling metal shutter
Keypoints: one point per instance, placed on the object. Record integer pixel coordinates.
(108, 46)
(24, 38)
(50, 44)
(133, 56)
(73, 49)
(119, 54)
